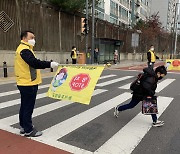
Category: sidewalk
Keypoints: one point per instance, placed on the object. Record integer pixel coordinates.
(16, 144)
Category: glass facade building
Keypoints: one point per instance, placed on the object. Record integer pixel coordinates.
(120, 11)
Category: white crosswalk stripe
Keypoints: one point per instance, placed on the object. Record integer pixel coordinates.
(128, 137)
(164, 84)
(127, 86)
(61, 129)
(17, 91)
(45, 86)
(160, 85)
(17, 101)
(113, 81)
(44, 109)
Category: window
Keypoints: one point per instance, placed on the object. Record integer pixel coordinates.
(101, 4)
(143, 12)
(124, 13)
(114, 8)
(113, 20)
(99, 14)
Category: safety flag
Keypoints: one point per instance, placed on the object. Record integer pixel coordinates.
(173, 64)
(75, 83)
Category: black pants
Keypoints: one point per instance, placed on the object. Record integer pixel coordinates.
(151, 66)
(131, 105)
(73, 61)
(28, 98)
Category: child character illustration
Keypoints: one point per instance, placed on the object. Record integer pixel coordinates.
(59, 79)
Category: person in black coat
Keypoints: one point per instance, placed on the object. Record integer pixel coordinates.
(146, 90)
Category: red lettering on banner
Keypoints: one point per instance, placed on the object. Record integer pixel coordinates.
(79, 82)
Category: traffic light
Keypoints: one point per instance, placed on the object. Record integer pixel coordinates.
(84, 26)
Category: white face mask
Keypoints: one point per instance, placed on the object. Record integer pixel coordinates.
(152, 49)
(32, 42)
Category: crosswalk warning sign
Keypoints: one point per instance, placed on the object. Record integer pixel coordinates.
(75, 82)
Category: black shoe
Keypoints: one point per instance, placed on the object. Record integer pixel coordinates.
(33, 133)
(22, 130)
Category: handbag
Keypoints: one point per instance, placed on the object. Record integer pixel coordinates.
(149, 106)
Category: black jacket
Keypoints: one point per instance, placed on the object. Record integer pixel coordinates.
(32, 61)
(148, 84)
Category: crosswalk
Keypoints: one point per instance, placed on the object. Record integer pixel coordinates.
(103, 101)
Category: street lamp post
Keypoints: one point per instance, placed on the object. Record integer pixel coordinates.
(87, 26)
(176, 27)
(92, 46)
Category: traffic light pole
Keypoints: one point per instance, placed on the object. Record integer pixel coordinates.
(86, 35)
(92, 46)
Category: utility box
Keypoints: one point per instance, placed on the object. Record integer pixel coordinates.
(81, 58)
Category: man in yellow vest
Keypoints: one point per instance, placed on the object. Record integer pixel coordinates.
(74, 55)
(151, 56)
(28, 78)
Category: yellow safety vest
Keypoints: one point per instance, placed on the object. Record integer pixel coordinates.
(153, 56)
(74, 56)
(25, 75)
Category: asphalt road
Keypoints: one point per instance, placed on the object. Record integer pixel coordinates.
(93, 128)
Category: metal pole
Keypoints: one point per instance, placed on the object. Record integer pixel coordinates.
(176, 28)
(92, 46)
(88, 28)
(132, 14)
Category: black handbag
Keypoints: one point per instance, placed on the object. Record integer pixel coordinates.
(149, 106)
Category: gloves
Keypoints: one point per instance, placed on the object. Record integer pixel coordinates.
(54, 64)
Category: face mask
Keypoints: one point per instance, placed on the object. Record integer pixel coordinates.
(32, 42)
(160, 78)
(152, 49)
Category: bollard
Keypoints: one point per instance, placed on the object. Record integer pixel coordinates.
(5, 69)
(67, 61)
(51, 69)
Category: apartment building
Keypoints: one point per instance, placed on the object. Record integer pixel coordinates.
(120, 11)
(166, 12)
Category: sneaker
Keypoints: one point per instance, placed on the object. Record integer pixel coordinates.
(116, 112)
(33, 133)
(158, 123)
(22, 130)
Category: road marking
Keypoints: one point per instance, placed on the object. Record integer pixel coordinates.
(125, 140)
(127, 86)
(160, 86)
(164, 84)
(107, 76)
(17, 91)
(17, 101)
(114, 81)
(43, 86)
(44, 109)
(61, 129)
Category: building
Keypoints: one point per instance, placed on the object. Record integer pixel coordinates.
(166, 12)
(120, 11)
